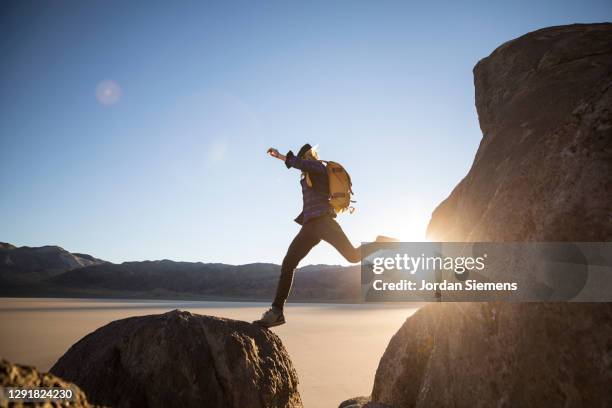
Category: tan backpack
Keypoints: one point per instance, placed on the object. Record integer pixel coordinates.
(340, 190)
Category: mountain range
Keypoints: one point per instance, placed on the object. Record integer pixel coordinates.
(51, 271)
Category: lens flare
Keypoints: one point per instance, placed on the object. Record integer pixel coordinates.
(108, 92)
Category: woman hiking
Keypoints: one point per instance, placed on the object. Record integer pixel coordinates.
(318, 223)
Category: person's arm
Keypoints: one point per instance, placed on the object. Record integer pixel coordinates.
(274, 153)
(291, 160)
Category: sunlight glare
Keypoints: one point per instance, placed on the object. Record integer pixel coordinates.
(108, 92)
(407, 227)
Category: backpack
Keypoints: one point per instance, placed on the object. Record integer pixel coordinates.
(340, 190)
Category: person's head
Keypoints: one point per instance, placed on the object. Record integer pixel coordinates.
(312, 154)
(307, 152)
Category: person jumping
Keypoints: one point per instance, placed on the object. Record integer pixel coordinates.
(318, 223)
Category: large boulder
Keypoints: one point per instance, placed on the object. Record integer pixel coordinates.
(16, 375)
(543, 172)
(182, 359)
(499, 355)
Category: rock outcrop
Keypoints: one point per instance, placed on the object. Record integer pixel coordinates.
(499, 355)
(362, 402)
(182, 359)
(15, 375)
(543, 172)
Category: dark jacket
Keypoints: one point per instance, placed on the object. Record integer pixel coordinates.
(315, 198)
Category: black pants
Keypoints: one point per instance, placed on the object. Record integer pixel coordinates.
(322, 228)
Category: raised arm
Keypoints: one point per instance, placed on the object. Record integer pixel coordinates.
(310, 166)
(274, 153)
(291, 160)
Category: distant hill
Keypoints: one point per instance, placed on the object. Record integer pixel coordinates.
(24, 270)
(52, 271)
(46, 260)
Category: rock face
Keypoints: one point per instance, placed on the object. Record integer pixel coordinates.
(14, 375)
(362, 402)
(182, 359)
(543, 172)
(499, 355)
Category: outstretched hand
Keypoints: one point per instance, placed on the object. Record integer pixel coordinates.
(274, 153)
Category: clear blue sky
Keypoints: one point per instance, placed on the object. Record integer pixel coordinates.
(176, 167)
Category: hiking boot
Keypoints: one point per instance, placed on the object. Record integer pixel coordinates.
(382, 238)
(272, 317)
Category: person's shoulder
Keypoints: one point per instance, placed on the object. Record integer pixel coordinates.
(320, 165)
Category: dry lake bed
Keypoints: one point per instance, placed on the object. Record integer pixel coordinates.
(335, 348)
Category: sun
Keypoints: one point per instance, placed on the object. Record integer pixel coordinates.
(409, 226)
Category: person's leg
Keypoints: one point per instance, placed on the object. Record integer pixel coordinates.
(330, 231)
(303, 242)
